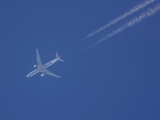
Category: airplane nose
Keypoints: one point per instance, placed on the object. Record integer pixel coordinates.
(27, 75)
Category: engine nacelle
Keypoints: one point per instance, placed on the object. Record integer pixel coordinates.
(34, 66)
(42, 75)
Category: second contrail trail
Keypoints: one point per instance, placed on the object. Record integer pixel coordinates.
(134, 9)
(132, 22)
(135, 20)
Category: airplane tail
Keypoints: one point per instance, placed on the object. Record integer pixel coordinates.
(59, 57)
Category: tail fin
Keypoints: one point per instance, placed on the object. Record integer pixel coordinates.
(59, 57)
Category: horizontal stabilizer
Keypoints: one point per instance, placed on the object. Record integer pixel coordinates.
(61, 60)
(57, 56)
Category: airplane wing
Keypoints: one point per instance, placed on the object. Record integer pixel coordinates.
(39, 63)
(50, 73)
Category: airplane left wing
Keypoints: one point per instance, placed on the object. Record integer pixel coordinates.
(39, 63)
(50, 73)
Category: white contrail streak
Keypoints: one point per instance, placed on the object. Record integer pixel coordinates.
(135, 20)
(135, 9)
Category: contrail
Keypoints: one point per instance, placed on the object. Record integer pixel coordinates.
(135, 20)
(134, 9)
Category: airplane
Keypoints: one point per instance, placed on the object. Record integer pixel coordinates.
(43, 68)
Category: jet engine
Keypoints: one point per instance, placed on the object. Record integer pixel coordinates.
(42, 75)
(34, 66)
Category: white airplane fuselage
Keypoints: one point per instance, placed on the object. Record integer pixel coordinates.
(46, 65)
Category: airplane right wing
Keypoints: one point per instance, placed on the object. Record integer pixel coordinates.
(50, 73)
(39, 63)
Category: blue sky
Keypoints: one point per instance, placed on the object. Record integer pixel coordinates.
(117, 79)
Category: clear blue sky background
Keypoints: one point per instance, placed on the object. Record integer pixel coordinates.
(118, 79)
